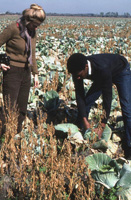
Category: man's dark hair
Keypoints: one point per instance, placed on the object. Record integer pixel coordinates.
(76, 63)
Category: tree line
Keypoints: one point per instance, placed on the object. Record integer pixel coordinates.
(101, 14)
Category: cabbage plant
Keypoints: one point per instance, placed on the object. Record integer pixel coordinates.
(107, 172)
(91, 136)
(51, 100)
(124, 183)
(63, 129)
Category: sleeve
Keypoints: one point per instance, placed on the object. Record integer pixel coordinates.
(80, 97)
(34, 68)
(106, 84)
(6, 35)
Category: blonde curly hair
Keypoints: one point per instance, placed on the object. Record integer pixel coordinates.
(34, 13)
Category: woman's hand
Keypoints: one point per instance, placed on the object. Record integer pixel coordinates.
(4, 67)
(36, 80)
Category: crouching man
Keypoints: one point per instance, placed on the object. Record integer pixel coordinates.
(104, 70)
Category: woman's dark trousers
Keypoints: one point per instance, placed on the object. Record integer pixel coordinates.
(16, 86)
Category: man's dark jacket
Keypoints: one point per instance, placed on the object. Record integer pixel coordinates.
(105, 67)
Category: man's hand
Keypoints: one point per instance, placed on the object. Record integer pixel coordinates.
(86, 123)
(4, 67)
(100, 130)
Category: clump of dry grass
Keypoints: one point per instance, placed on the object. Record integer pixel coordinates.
(53, 173)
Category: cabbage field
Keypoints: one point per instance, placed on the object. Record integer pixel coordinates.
(52, 159)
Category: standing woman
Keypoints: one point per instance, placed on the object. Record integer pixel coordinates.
(20, 40)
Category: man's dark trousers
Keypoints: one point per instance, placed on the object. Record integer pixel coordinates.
(123, 84)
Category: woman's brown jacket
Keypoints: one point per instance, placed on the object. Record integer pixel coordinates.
(15, 47)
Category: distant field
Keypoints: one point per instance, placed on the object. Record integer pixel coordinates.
(88, 35)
